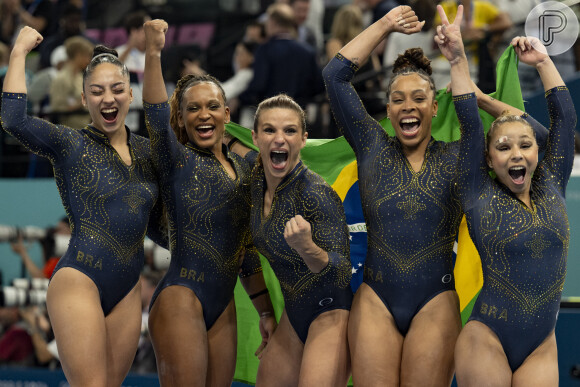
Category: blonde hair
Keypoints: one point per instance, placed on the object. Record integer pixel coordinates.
(347, 23)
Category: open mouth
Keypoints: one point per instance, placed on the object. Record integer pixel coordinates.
(410, 126)
(110, 115)
(279, 158)
(517, 174)
(205, 131)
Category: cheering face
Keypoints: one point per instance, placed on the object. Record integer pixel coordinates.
(280, 137)
(513, 155)
(411, 108)
(204, 115)
(107, 95)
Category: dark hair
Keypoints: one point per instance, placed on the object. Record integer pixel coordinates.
(104, 54)
(260, 26)
(280, 101)
(505, 117)
(176, 100)
(135, 20)
(413, 61)
(251, 47)
(425, 10)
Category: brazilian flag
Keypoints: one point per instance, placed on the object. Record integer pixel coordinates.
(334, 160)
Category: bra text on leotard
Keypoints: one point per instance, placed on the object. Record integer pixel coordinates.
(89, 260)
(491, 311)
(192, 275)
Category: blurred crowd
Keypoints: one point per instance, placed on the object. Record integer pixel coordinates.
(26, 336)
(282, 47)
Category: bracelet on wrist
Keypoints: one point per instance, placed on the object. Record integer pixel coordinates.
(258, 294)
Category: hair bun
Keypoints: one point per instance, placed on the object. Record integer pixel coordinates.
(413, 58)
(100, 49)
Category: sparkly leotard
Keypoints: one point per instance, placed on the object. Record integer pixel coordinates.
(306, 294)
(523, 251)
(412, 217)
(208, 215)
(108, 202)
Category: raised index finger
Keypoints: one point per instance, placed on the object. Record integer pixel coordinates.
(442, 15)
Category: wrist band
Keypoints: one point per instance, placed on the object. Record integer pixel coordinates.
(232, 142)
(261, 292)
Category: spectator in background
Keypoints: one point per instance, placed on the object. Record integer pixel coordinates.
(132, 53)
(315, 21)
(255, 32)
(37, 324)
(305, 34)
(282, 64)
(39, 89)
(17, 13)
(53, 246)
(16, 348)
(70, 24)
(233, 87)
(67, 87)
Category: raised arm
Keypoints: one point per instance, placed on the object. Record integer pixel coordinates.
(399, 19)
(154, 91)
(15, 78)
(560, 149)
(360, 130)
(471, 168)
(450, 43)
(532, 52)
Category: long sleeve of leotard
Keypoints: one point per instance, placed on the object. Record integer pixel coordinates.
(559, 157)
(165, 148)
(541, 131)
(360, 130)
(471, 165)
(37, 135)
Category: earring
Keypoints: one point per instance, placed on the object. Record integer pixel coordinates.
(434, 115)
(388, 118)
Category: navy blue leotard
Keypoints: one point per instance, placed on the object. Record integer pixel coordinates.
(107, 202)
(209, 215)
(306, 294)
(412, 217)
(523, 251)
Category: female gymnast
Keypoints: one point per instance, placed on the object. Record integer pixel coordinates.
(206, 190)
(108, 186)
(298, 224)
(405, 316)
(517, 221)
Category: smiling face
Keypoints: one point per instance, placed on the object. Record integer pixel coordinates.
(411, 109)
(107, 95)
(203, 114)
(513, 155)
(280, 136)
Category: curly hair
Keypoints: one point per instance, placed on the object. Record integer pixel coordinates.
(413, 61)
(176, 100)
